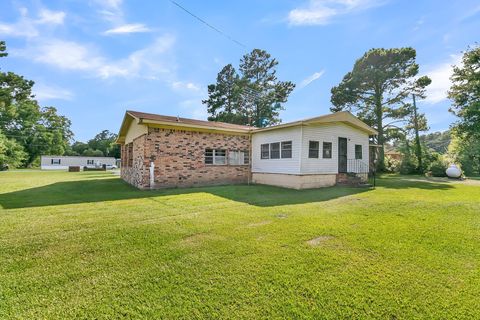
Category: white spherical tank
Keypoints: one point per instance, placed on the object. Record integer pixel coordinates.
(453, 171)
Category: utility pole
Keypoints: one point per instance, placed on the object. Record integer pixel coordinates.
(418, 147)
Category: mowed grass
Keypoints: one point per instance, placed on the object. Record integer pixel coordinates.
(87, 245)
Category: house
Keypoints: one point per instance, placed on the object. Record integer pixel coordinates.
(393, 153)
(63, 162)
(162, 151)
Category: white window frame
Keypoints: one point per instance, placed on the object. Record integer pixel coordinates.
(216, 156)
(267, 151)
(238, 157)
(283, 150)
(361, 152)
(56, 161)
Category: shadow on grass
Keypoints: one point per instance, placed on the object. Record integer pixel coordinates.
(413, 182)
(97, 190)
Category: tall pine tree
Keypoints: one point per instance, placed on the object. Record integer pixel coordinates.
(376, 90)
(252, 97)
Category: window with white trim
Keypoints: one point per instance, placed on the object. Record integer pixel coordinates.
(90, 162)
(238, 157)
(358, 151)
(265, 151)
(286, 149)
(55, 161)
(275, 150)
(215, 156)
(327, 150)
(313, 149)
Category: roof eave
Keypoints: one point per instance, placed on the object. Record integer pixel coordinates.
(193, 126)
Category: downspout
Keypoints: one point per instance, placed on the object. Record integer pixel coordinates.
(250, 157)
(152, 174)
(301, 148)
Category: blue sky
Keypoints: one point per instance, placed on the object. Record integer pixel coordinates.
(95, 59)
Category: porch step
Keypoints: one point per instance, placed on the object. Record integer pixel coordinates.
(344, 179)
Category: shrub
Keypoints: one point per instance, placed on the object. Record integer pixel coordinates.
(438, 168)
(408, 165)
(391, 165)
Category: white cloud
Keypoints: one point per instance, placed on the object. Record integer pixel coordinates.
(67, 55)
(195, 109)
(43, 92)
(321, 12)
(128, 28)
(305, 82)
(440, 75)
(147, 63)
(185, 85)
(50, 17)
(29, 27)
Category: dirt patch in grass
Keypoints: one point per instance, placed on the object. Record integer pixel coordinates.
(319, 240)
(281, 216)
(198, 239)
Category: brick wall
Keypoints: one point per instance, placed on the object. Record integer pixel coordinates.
(179, 159)
(134, 164)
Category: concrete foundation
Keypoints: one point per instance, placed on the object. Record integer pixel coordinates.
(294, 181)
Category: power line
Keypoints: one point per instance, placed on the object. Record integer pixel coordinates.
(208, 24)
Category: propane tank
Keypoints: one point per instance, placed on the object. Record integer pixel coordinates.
(453, 171)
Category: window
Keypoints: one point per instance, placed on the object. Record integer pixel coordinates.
(246, 157)
(238, 157)
(286, 149)
(90, 162)
(208, 156)
(215, 156)
(313, 149)
(275, 150)
(327, 150)
(265, 151)
(358, 151)
(55, 161)
(220, 157)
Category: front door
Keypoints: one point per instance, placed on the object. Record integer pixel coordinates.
(342, 155)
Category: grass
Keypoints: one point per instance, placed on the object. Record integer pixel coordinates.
(87, 245)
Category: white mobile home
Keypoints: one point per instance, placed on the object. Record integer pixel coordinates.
(311, 153)
(63, 162)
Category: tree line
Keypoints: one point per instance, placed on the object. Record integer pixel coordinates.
(382, 89)
(28, 130)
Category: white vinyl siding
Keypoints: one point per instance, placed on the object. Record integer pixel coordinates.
(301, 137)
(330, 133)
(281, 165)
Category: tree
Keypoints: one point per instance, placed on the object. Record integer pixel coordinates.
(105, 142)
(92, 153)
(465, 93)
(417, 122)
(437, 141)
(78, 148)
(258, 69)
(38, 130)
(465, 150)
(11, 153)
(224, 97)
(254, 97)
(376, 90)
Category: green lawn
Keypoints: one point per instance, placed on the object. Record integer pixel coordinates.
(87, 245)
